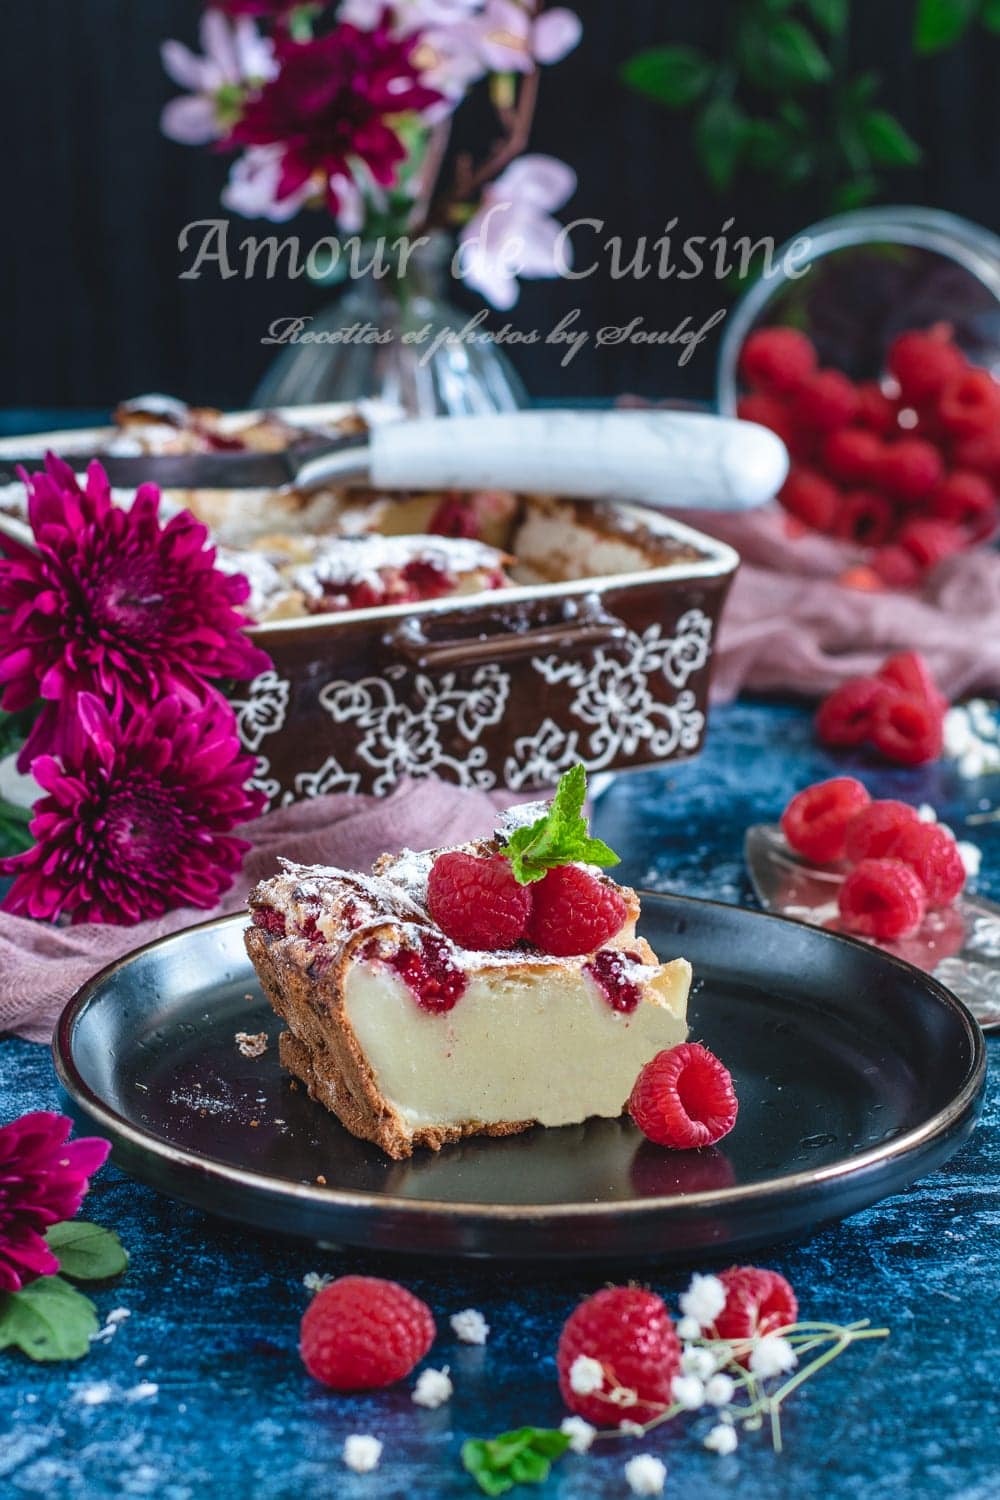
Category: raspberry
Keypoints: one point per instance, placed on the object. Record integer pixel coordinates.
(428, 968)
(825, 401)
(630, 1333)
(684, 1098)
(980, 453)
(865, 517)
(931, 852)
(477, 901)
(929, 541)
(968, 500)
(453, 517)
(875, 410)
(269, 920)
(609, 971)
(853, 455)
(758, 1302)
(910, 469)
(896, 567)
(815, 821)
(872, 830)
(777, 359)
(573, 911)
(768, 411)
(361, 1333)
(811, 498)
(923, 363)
(907, 729)
(970, 405)
(909, 671)
(882, 898)
(845, 717)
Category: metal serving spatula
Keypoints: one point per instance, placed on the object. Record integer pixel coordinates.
(666, 459)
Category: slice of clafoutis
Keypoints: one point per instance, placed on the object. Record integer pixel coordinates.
(413, 1041)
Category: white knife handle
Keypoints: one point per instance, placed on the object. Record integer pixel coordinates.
(666, 459)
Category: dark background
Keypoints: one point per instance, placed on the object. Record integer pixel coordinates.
(93, 309)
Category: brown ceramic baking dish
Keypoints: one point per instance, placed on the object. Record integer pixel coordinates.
(503, 689)
(601, 653)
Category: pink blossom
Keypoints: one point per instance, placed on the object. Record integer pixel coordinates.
(512, 39)
(512, 233)
(137, 815)
(235, 57)
(112, 602)
(43, 1179)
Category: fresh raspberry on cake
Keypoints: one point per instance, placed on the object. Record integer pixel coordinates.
(815, 820)
(908, 729)
(777, 359)
(361, 1333)
(872, 831)
(684, 1098)
(845, 716)
(574, 911)
(758, 1302)
(476, 900)
(932, 853)
(882, 898)
(620, 1339)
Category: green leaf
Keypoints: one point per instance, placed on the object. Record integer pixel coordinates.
(86, 1252)
(940, 23)
(766, 143)
(675, 76)
(47, 1320)
(887, 141)
(832, 15)
(521, 1457)
(855, 193)
(560, 837)
(720, 137)
(990, 15)
(796, 55)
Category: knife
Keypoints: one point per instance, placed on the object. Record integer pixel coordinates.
(665, 459)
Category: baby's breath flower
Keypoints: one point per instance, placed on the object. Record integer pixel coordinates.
(631, 1429)
(704, 1299)
(722, 1439)
(470, 1326)
(688, 1391)
(362, 1452)
(314, 1281)
(586, 1375)
(700, 1362)
(719, 1391)
(772, 1355)
(688, 1329)
(579, 1432)
(433, 1388)
(645, 1474)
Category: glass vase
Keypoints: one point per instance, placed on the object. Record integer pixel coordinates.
(396, 339)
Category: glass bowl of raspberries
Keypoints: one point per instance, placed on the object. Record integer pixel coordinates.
(879, 368)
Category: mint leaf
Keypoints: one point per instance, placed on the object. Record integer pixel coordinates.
(720, 136)
(887, 141)
(86, 1252)
(561, 837)
(520, 1457)
(990, 15)
(832, 15)
(674, 76)
(48, 1320)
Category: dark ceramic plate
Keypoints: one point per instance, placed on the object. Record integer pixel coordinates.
(855, 1074)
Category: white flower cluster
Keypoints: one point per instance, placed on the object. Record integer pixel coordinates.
(701, 1304)
(586, 1375)
(433, 1388)
(470, 1326)
(645, 1474)
(362, 1452)
(580, 1433)
(972, 737)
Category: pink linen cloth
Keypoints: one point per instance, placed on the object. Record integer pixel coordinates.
(790, 626)
(42, 965)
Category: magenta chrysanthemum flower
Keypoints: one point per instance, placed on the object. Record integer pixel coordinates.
(137, 816)
(331, 103)
(43, 1177)
(113, 602)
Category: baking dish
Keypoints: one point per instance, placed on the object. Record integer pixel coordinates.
(601, 653)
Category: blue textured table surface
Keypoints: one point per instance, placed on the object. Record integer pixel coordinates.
(214, 1309)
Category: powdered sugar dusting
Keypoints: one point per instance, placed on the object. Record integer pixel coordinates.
(364, 557)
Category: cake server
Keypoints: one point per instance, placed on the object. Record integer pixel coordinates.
(666, 459)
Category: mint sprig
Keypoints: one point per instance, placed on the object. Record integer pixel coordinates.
(561, 837)
(521, 1457)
